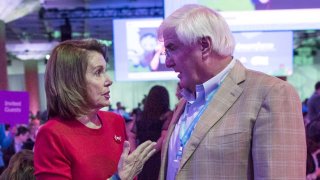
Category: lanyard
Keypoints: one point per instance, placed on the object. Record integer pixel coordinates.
(184, 135)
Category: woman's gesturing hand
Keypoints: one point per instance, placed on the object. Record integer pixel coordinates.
(131, 164)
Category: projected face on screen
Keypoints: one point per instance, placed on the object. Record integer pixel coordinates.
(148, 45)
(144, 49)
(138, 52)
(148, 42)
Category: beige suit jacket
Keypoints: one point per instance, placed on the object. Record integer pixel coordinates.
(252, 129)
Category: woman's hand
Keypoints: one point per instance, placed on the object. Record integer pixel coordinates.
(131, 165)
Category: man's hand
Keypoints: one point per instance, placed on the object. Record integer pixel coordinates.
(131, 165)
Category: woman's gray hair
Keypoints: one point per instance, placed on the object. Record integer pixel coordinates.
(65, 82)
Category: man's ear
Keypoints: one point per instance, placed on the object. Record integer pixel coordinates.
(206, 45)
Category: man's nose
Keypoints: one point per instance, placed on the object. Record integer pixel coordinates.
(169, 62)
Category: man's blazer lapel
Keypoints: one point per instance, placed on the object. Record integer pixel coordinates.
(225, 97)
(164, 152)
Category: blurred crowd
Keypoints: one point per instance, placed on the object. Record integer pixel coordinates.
(311, 113)
(149, 120)
(15, 138)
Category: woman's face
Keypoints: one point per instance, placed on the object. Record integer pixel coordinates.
(97, 80)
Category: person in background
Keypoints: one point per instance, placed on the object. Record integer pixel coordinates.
(79, 141)
(110, 108)
(313, 149)
(2, 137)
(152, 124)
(33, 128)
(6, 139)
(16, 146)
(20, 167)
(9, 133)
(305, 111)
(232, 122)
(137, 110)
(44, 117)
(314, 103)
(178, 91)
(130, 125)
(121, 110)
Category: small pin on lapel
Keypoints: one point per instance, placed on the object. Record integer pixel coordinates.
(117, 138)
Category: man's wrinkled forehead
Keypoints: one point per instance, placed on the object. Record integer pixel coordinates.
(170, 35)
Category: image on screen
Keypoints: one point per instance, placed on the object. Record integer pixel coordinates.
(138, 53)
(268, 52)
(259, 15)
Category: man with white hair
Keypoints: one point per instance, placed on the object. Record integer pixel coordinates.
(232, 122)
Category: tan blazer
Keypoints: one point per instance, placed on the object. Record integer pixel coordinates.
(252, 129)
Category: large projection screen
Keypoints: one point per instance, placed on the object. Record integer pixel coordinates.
(260, 15)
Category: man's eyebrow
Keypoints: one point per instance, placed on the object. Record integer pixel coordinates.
(169, 45)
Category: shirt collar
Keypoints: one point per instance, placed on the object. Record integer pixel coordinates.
(203, 90)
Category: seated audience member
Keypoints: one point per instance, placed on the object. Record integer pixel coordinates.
(16, 146)
(20, 167)
(33, 128)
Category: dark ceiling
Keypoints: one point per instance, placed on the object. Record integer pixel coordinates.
(88, 19)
